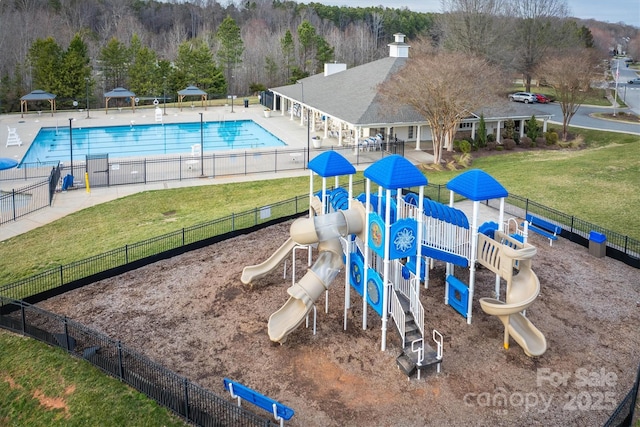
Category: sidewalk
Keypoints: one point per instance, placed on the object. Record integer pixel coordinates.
(65, 203)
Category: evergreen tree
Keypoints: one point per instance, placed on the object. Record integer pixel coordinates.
(307, 37)
(288, 51)
(74, 70)
(144, 78)
(231, 48)
(45, 58)
(481, 136)
(115, 60)
(533, 131)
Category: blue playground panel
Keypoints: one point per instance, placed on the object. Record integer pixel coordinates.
(260, 400)
(458, 295)
(374, 291)
(411, 266)
(356, 272)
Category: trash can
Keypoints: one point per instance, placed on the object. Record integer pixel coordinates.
(67, 182)
(246, 103)
(597, 244)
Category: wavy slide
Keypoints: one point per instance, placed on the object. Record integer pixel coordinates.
(522, 291)
(326, 230)
(258, 271)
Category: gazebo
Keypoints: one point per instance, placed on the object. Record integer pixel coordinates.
(192, 91)
(119, 92)
(37, 95)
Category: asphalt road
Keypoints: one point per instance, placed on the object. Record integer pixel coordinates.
(584, 119)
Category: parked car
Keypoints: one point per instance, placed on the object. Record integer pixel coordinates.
(634, 81)
(525, 97)
(541, 98)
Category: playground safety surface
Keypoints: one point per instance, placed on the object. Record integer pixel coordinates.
(192, 314)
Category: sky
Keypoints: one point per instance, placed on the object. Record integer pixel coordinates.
(614, 11)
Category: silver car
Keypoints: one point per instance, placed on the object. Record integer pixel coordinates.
(525, 97)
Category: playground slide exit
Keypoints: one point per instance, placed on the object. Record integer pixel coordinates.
(522, 292)
(326, 230)
(258, 271)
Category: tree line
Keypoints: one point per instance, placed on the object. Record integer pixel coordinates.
(156, 48)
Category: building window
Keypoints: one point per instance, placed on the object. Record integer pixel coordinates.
(410, 133)
(466, 125)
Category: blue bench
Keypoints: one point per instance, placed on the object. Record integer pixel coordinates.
(544, 228)
(280, 412)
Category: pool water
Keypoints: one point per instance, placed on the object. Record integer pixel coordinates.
(53, 143)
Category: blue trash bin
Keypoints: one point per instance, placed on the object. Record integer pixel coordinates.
(67, 182)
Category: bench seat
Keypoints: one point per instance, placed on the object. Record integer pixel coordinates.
(543, 227)
(280, 412)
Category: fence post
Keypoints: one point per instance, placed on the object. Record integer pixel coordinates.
(120, 367)
(61, 276)
(182, 236)
(245, 162)
(144, 168)
(255, 216)
(13, 202)
(275, 161)
(233, 222)
(66, 332)
(185, 383)
(126, 254)
(23, 319)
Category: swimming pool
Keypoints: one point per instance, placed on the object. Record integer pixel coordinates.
(52, 143)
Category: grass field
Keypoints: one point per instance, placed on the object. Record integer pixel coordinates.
(598, 184)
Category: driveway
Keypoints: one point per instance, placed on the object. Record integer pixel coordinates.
(584, 119)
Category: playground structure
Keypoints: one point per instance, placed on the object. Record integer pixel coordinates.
(387, 240)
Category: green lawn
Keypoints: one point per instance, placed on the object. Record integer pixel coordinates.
(598, 184)
(44, 387)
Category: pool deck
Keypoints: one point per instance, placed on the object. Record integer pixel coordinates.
(290, 131)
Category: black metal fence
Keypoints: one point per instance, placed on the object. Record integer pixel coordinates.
(18, 202)
(623, 415)
(190, 401)
(620, 247)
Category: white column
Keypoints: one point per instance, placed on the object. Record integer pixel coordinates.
(522, 122)
(544, 125)
(418, 137)
(473, 130)
(499, 132)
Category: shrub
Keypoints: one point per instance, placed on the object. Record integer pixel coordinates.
(533, 131)
(509, 129)
(465, 147)
(551, 137)
(491, 145)
(491, 138)
(526, 142)
(540, 140)
(508, 144)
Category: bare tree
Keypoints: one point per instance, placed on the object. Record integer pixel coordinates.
(570, 74)
(444, 88)
(473, 26)
(534, 32)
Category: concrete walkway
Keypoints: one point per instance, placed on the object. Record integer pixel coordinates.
(291, 132)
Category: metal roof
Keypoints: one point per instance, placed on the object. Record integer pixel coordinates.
(38, 95)
(119, 92)
(191, 90)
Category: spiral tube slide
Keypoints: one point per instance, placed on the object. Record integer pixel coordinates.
(522, 291)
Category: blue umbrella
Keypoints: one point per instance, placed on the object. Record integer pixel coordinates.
(7, 163)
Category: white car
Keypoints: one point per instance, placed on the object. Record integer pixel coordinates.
(525, 97)
(634, 81)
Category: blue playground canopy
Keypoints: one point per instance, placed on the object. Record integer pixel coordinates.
(477, 185)
(395, 172)
(330, 163)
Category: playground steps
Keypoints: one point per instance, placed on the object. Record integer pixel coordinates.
(407, 361)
